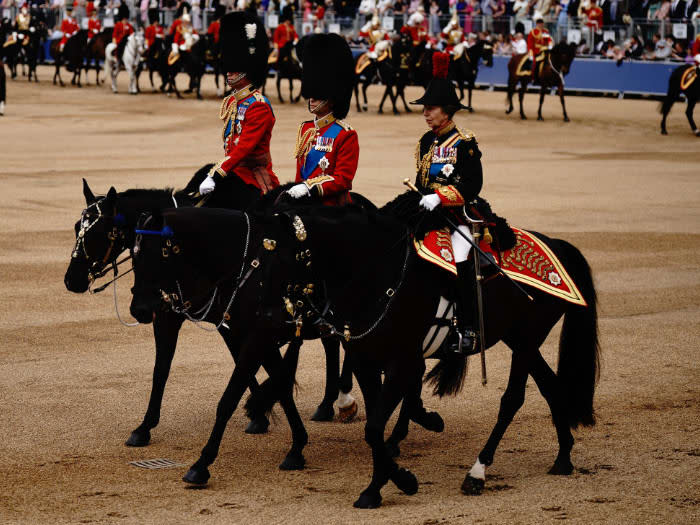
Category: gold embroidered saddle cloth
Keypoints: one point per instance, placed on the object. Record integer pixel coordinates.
(529, 262)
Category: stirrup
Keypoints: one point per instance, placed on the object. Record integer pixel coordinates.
(467, 343)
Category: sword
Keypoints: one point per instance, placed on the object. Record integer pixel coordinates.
(454, 225)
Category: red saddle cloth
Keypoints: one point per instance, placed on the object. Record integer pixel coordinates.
(530, 262)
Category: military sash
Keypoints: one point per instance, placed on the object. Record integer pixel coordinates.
(445, 153)
(241, 111)
(324, 143)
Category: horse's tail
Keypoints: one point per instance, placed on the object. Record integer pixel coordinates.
(579, 348)
(447, 377)
(263, 399)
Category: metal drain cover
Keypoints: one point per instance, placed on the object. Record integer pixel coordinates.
(156, 463)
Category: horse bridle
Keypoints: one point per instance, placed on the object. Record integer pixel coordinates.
(98, 268)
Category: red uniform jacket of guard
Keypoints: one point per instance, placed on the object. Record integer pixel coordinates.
(152, 32)
(283, 34)
(179, 38)
(538, 40)
(253, 141)
(214, 30)
(94, 27)
(68, 27)
(121, 29)
(417, 33)
(174, 26)
(333, 184)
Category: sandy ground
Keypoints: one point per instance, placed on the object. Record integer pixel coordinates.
(74, 382)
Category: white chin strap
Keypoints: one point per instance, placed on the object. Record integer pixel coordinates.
(322, 106)
(235, 80)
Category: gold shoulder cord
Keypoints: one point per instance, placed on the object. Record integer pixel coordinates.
(424, 165)
(225, 113)
(304, 142)
(466, 134)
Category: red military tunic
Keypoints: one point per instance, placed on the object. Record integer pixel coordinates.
(94, 27)
(176, 24)
(121, 29)
(180, 33)
(214, 30)
(152, 32)
(538, 40)
(248, 122)
(283, 34)
(327, 154)
(68, 27)
(418, 34)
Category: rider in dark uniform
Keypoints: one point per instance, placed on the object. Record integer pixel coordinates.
(449, 175)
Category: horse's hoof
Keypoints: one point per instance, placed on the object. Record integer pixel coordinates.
(523, 117)
(509, 111)
(566, 119)
(409, 110)
(664, 132)
(405, 481)
(259, 425)
(540, 118)
(697, 132)
(392, 449)
(196, 477)
(470, 109)
(472, 486)
(293, 461)
(368, 500)
(397, 112)
(431, 421)
(323, 413)
(381, 112)
(561, 468)
(138, 439)
(347, 414)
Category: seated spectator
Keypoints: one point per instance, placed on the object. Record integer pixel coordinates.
(662, 13)
(503, 46)
(679, 49)
(662, 49)
(634, 48)
(649, 51)
(583, 48)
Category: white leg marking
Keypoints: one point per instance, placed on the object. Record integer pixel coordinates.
(478, 471)
(345, 400)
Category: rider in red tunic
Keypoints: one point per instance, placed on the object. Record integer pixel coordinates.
(327, 149)
(285, 31)
(539, 42)
(247, 113)
(214, 27)
(122, 28)
(154, 30)
(69, 27)
(414, 27)
(94, 24)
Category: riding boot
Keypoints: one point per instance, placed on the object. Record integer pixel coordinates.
(466, 310)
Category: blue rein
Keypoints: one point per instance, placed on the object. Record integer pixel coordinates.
(165, 232)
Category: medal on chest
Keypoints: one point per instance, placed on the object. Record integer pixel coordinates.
(445, 155)
(324, 144)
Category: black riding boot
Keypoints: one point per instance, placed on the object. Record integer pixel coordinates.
(466, 310)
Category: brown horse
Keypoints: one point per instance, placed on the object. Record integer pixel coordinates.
(553, 69)
(95, 53)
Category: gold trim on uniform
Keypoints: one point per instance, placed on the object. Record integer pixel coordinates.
(227, 110)
(325, 121)
(318, 181)
(216, 168)
(451, 194)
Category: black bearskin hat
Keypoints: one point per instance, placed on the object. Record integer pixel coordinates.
(153, 15)
(440, 91)
(287, 14)
(244, 46)
(219, 11)
(184, 6)
(123, 12)
(328, 71)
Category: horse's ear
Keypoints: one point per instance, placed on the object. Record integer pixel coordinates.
(111, 197)
(89, 197)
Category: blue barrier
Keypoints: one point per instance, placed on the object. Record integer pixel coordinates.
(590, 74)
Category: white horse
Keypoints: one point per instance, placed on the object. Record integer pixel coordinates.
(133, 51)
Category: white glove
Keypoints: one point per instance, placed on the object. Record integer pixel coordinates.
(430, 202)
(299, 191)
(207, 185)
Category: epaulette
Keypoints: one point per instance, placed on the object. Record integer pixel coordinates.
(259, 97)
(344, 125)
(466, 134)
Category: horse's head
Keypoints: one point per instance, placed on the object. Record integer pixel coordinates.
(487, 53)
(99, 239)
(139, 42)
(563, 55)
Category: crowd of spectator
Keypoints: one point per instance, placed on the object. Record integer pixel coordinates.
(641, 28)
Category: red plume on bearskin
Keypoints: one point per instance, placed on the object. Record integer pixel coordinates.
(441, 63)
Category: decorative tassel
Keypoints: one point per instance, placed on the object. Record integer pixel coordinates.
(441, 63)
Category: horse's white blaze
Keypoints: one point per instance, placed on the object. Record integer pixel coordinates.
(478, 471)
(436, 335)
(345, 400)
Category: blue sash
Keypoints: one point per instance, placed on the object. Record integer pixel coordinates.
(436, 167)
(247, 102)
(314, 156)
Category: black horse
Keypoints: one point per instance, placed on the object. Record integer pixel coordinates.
(555, 66)
(465, 68)
(684, 79)
(156, 61)
(95, 53)
(308, 261)
(71, 55)
(192, 63)
(212, 58)
(381, 69)
(288, 66)
(401, 55)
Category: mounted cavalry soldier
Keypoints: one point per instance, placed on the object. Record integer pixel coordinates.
(327, 149)
(184, 36)
(448, 161)
(452, 34)
(122, 30)
(414, 27)
(376, 37)
(284, 33)
(94, 25)
(154, 30)
(215, 26)
(69, 27)
(23, 25)
(539, 42)
(247, 114)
